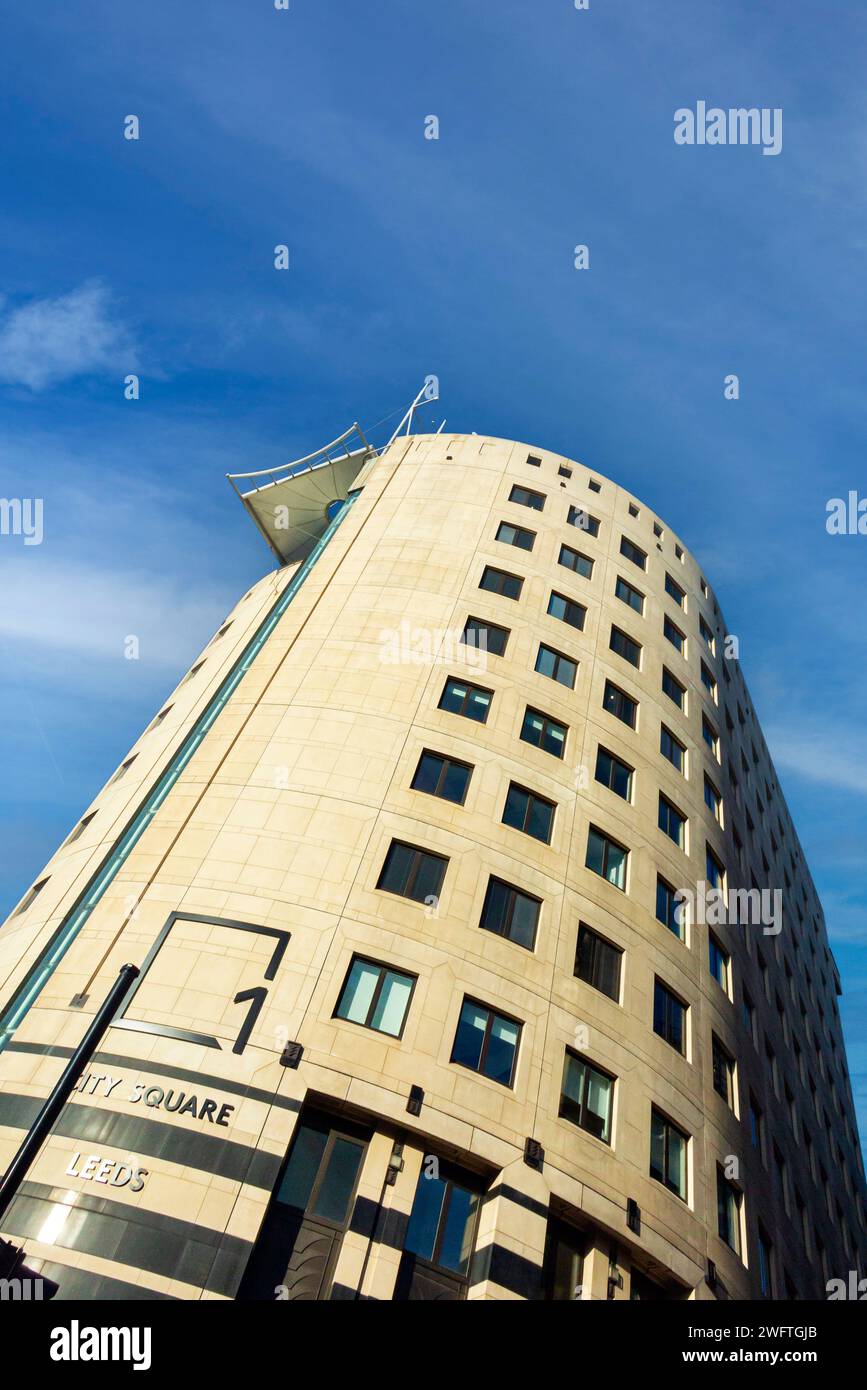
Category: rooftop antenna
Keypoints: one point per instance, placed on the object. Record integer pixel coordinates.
(428, 392)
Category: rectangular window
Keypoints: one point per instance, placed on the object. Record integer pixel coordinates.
(633, 552)
(486, 1042)
(375, 997)
(669, 1017)
(525, 497)
(673, 688)
(728, 1205)
(441, 1229)
(748, 1016)
(614, 774)
(712, 799)
(708, 681)
(544, 732)
(625, 646)
(533, 461)
(598, 963)
(756, 1126)
(485, 636)
(526, 811)
(586, 1097)
(575, 561)
(674, 634)
(669, 911)
(607, 858)
(719, 962)
(509, 912)
(714, 871)
(515, 535)
(707, 635)
(672, 748)
(625, 591)
(673, 589)
(621, 705)
(501, 582)
(567, 610)
(471, 701)
(441, 776)
(583, 520)
(31, 896)
(668, 1152)
(80, 828)
(412, 872)
(766, 1274)
(710, 736)
(672, 822)
(557, 666)
(723, 1071)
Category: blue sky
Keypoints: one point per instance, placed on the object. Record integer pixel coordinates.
(408, 257)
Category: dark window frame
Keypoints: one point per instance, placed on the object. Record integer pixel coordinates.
(384, 970)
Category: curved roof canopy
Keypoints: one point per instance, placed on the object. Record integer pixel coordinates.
(292, 504)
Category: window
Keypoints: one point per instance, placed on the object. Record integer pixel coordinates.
(678, 553)
(708, 681)
(674, 634)
(633, 510)
(669, 911)
(672, 822)
(766, 1255)
(501, 582)
(614, 774)
(472, 701)
(703, 587)
(164, 713)
(723, 1071)
(668, 1147)
(486, 1042)
(441, 776)
(485, 636)
(621, 705)
(658, 531)
(757, 1126)
(412, 872)
(594, 486)
(442, 1225)
(193, 671)
(714, 871)
(748, 1016)
(669, 1017)
(728, 1205)
(515, 535)
(707, 635)
(633, 552)
(719, 962)
(544, 732)
(673, 688)
(32, 895)
(525, 497)
(567, 610)
(80, 828)
(625, 591)
(563, 472)
(625, 646)
(712, 799)
(586, 1097)
(607, 858)
(554, 664)
(671, 748)
(534, 462)
(598, 963)
(509, 912)
(375, 997)
(575, 561)
(673, 589)
(123, 769)
(583, 520)
(526, 811)
(710, 736)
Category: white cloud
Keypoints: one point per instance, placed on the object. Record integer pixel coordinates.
(819, 757)
(50, 340)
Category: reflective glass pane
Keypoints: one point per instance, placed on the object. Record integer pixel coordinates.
(344, 1161)
(307, 1149)
(423, 1223)
(470, 1035)
(456, 1240)
(392, 1004)
(358, 994)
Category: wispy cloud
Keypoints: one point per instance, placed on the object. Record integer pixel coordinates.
(46, 341)
(812, 752)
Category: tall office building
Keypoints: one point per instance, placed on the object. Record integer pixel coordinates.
(479, 954)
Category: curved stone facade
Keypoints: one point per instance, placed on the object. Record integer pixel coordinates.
(292, 873)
